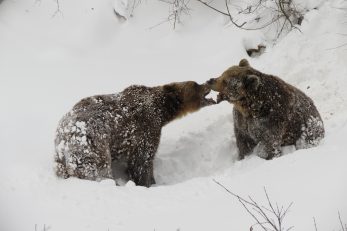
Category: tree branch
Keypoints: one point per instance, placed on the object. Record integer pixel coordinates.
(342, 227)
(213, 8)
(315, 224)
(269, 219)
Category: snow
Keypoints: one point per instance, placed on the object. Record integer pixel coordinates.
(125, 8)
(49, 61)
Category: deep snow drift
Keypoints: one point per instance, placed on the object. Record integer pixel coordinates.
(50, 59)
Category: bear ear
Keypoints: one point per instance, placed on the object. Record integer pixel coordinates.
(252, 82)
(244, 63)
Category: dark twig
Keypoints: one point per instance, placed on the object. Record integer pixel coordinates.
(250, 213)
(268, 218)
(243, 202)
(58, 11)
(333, 48)
(177, 8)
(252, 8)
(160, 23)
(343, 228)
(284, 9)
(281, 6)
(264, 215)
(213, 8)
(231, 18)
(315, 224)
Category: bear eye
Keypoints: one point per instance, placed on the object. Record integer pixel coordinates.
(234, 84)
(239, 84)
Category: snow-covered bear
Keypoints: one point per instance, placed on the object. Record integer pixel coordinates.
(268, 112)
(124, 126)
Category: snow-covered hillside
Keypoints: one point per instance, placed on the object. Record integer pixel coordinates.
(49, 59)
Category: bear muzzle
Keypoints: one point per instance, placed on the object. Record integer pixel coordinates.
(206, 101)
(212, 83)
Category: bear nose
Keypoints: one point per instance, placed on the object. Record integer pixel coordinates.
(211, 81)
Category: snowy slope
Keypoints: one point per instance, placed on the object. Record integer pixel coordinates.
(49, 60)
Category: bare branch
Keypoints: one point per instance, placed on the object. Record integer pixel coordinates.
(265, 216)
(333, 48)
(177, 9)
(242, 201)
(284, 9)
(315, 224)
(343, 228)
(213, 8)
(268, 200)
(158, 24)
(58, 11)
(254, 217)
(231, 19)
(270, 219)
(281, 6)
(284, 14)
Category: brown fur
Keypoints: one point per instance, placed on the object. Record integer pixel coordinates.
(122, 127)
(268, 112)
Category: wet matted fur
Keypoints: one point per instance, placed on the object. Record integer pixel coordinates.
(124, 126)
(268, 112)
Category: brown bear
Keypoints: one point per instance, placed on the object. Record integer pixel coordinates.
(268, 112)
(122, 127)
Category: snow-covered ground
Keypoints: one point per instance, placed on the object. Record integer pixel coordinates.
(50, 59)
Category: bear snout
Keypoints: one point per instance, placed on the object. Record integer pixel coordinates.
(213, 84)
(206, 89)
(211, 81)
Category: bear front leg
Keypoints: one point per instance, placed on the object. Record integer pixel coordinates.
(152, 177)
(244, 143)
(141, 172)
(268, 149)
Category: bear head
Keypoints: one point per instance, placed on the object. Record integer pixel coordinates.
(236, 84)
(187, 97)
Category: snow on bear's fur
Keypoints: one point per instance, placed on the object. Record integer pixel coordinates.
(122, 127)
